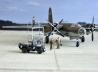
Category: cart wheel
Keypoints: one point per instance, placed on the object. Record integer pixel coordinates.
(28, 51)
(24, 50)
(39, 52)
(20, 45)
(43, 50)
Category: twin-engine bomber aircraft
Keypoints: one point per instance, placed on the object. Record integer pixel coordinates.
(73, 31)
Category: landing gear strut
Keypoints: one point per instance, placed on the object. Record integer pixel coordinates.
(47, 39)
(77, 44)
(82, 39)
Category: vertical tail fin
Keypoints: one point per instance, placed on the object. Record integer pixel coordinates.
(50, 18)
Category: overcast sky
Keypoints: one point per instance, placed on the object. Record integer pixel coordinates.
(22, 11)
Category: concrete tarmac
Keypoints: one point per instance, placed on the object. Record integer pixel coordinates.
(66, 59)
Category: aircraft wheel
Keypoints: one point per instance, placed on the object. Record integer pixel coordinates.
(77, 44)
(82, 39)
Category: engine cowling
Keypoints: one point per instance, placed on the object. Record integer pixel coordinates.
(81, 31)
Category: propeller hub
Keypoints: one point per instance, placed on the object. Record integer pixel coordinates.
(55, 24)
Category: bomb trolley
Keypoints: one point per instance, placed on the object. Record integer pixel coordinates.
(37, 44)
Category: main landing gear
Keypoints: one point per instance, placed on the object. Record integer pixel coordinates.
(82, 39)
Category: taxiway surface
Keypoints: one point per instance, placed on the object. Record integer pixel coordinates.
(66, 59)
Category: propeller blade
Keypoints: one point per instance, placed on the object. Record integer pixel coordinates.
(93, 25)
(61, 21)
(93, 21)
(51, 24)
(92, 36)
(60, 33)
(92, 29)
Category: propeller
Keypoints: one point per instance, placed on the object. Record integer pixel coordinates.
(55, 27)
(92, 29)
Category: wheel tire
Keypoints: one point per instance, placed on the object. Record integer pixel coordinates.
(43, 50)
(20, 45)
(82, 39)
(28, 51)
(77, 44)
(24, 50)
(39, 52)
